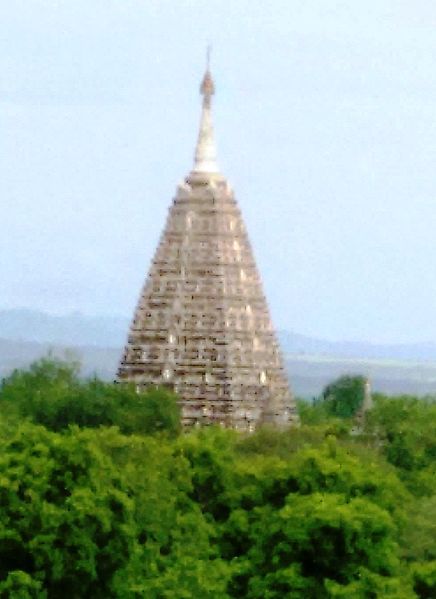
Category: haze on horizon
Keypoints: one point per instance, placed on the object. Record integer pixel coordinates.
(325, 123)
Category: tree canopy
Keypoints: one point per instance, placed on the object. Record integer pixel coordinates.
(344, 396)
(102, 495)
(51, 393)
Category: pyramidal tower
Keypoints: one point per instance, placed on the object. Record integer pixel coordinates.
(202, 325)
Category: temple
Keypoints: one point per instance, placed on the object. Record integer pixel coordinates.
(202, 324)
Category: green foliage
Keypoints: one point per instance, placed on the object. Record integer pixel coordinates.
(424, 580)
(319, 537)
(318, 515)
(19, 585)
(65, 520)
(371, 586)
(405, 427)
(343, 397)
(99, 514)
(212, 460)
(314, 412)
(95, 502)
(418, 535)
(51, 393)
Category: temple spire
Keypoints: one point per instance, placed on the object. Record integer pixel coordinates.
(205, 152)
(202, 325)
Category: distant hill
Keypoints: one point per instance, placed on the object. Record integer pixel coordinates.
(294, 343)
(308, 373)
(73, 329)
(77, 329)
(97, 342)
(94, 360)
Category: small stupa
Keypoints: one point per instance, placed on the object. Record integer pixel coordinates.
(202, 325)
(365, 407)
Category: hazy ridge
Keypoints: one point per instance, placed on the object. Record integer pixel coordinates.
(97, 342)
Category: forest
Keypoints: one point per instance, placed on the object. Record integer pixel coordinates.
(103, 495)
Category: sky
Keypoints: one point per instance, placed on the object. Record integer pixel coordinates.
(324, 117)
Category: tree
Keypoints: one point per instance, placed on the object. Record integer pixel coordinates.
(318, 514)
(94, 513)
(100, 497)
(66, 521)
(424, 580)
(344, 396)
(405, 429)
(418, 535)
(318, 538)
(51, 393)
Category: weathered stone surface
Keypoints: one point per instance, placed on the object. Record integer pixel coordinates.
(202, 324)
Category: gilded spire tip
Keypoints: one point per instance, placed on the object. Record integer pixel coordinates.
(207, 87)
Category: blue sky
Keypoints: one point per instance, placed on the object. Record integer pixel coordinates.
(325, 123)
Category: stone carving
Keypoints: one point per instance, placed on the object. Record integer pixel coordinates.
(202, 324)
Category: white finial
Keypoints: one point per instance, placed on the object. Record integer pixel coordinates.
(367, 400)
(205, 152)
(208, 51)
